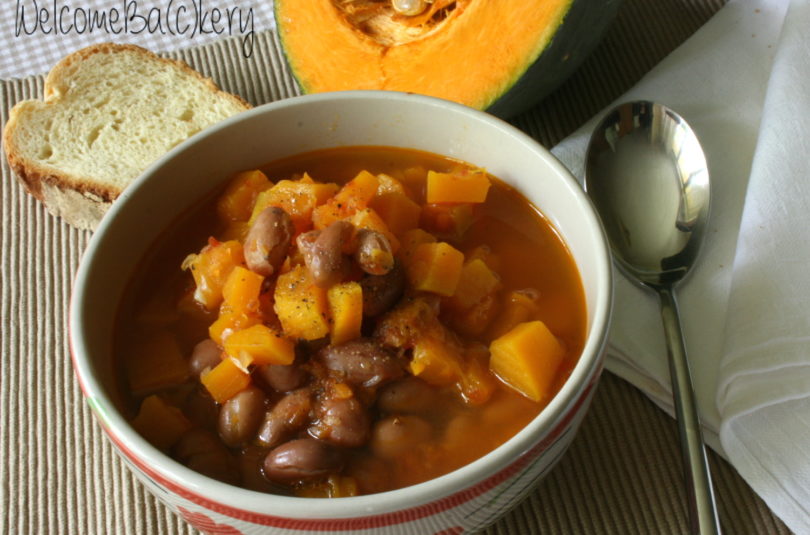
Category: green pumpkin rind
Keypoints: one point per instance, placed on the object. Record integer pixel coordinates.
(581, 30)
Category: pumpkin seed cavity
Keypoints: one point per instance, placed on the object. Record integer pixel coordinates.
(397, 22)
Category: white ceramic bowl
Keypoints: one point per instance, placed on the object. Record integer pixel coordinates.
(464, 500)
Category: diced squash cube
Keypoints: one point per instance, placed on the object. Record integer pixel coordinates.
(476, 282)
(323, 191)
(225, 380)
(399, 213)
(326, 214)
(389, 184)
(435, 267)
(211, 268)
(243, 361)
(414, 179)
(435, 361)
(527, 359)
(369, 219)
(228, 323)
(155, 362)
(359, 191)
(352, 197)
(241, 291)
(485, 253)
(447, 221)
(236, 202)
(346, 311)
(411, 240)
(262, 344)
(473, 305)
(301, 305)
(160, 423)
(462, 186)
(518, 306)
(299, 198)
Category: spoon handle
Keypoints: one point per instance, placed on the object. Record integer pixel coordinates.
(700, 495)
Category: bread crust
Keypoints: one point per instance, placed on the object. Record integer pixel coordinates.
(46, 182)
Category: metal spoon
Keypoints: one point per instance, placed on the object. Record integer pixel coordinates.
(646, 173)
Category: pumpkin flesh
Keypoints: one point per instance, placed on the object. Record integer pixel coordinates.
(468, 51)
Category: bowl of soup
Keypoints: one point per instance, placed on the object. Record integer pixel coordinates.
(346, 311)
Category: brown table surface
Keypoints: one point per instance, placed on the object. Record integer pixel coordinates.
(59, 474)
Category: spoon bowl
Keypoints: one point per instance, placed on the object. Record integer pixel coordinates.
(647, 176)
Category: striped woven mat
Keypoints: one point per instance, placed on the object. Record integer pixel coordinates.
(58, 474)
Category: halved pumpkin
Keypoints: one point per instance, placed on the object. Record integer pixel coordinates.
(498, 55)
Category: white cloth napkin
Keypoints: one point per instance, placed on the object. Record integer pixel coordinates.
(764, 389)
(746, 307)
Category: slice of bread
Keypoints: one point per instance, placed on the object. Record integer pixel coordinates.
(108, 112)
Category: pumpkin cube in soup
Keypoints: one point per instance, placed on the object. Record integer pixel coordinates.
(301, 305)
(241, 291)
(476, 282)
(211, 268)
(299, 198)
(262, 344)
(414, 178)
(527, 359)
(399, 213)
(435, 361)
(154, 362)
(411, 240)
(389, 184)
(352, 197)
(517, 307)
(345, 311)
(486, 254)
(160, 423)
(474, 304)
(447, 221)
(323, 191)
(225, 380)
(462, 186)
(228, 323)
(326, 214)
(359, 191)
(236, 202)
(435, 267)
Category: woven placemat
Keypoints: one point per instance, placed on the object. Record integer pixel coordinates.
(58, 474)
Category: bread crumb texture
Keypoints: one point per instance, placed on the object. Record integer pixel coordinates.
(109, 111)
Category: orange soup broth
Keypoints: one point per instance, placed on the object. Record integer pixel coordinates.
(531, 253)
